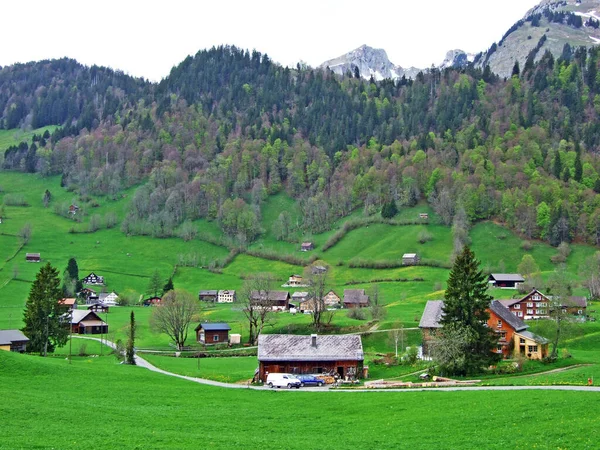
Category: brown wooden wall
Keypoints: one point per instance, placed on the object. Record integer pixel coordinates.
(310, 367)
(209, 336)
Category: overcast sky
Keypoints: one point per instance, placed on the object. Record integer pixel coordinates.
(147, 38)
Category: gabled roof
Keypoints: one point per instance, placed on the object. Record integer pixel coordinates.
(208, 292)
(226, 292)
(510, 302)
(274, 296)
(409, 255)
(533, 337)
(517, 277)
(79, 315)
(357, 296)
(299, 295)
(7, 337)
(432, 314)
(286, 347)
(67, 301)
(213, 326)
(576, 300)
(34, 255)
(504, 313)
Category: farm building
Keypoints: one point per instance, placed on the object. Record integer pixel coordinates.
(226, 296)
(285, 353)
(92, 278)
(70, 303)
(536, 305)
(87, 322)
(355, 298)
(423, 216)
(316, 270)
(511, 331)
(209, 295)
(307, 246)
(505, 280)
(276, 300)
(576, 305)
(332, 299)
(32, 257)
(98, 307)
(410, 259)
(73, 209)
(152, 301)
(86, 292)
(295, 280)
(108, 299)
(13, 341)
(212, 333)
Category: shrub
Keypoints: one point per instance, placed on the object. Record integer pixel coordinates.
(378, 312)
(424, 236)
(357, 313)
(15, 200)
(82, 349)
(527, 246)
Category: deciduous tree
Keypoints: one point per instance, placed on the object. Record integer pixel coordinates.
(173, 316)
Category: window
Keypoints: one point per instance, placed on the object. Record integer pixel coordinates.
(520, 314)
(543, 304)
(499, 323)
(499, 348)
(521, 340)
(215, 338)
(530, 311)
(580, 311)
(541, 311)
(530, 304)
(503, 335)
(517, 306)
(536, 297)
(533, 348)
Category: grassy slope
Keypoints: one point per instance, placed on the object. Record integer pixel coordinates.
(139, 409)
(16, 136)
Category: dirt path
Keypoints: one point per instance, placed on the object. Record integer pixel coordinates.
(145, 364)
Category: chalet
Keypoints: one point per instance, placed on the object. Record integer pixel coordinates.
(355, 298)
(98, 307)
(307, 246)
(152, 301)
(212, 333)
(332, 299)
(505, 280)
(285, 353)
(295, 280)
(92, 299)
(276, 300)
(226, 296)
(208, 295)
(534, 305)
(511, 331)
(13, 341)
(108, 299)
(410, 259)
(32, 257)
(87, 322)
(70, 303)
(86, 292)
(301, 301)
(73, 209)
(575, 305)
(423, 216)
(94, 279)
(316, 270)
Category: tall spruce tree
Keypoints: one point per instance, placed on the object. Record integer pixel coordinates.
(130, 348)
(45, 322)
(465, 315)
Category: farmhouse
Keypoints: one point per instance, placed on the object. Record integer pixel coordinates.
(208, 295)
(276, 300)
(307, 246)
(355, 298)
(295, 280)
(511, 331)
(108, 299)
(73, 209)
(226, 296)
(32, 257)
(212, 333)
(331, 299)
(92, 278)
(86, 292)
(70, 303)
(299, 299)
(423, 216)
(98, 307)
(410, 259)
(576, 305)
(534, 305)
(87, 322)
(13, 341)
(505, 280)
(285, 353)
(152, 301)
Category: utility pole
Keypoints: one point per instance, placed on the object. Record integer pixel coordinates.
(71, 338)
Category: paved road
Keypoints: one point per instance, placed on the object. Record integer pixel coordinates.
(145, 364)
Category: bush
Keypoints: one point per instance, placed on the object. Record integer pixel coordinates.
(424, 236)
(15, 200)
(83, 349)
(527, 246)
(357, 313)
(378, 312)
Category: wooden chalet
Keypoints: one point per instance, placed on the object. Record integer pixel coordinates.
(332, 299)
(108, 299)
(506, 280)
(86, 292)
(226, 296)
(430, 323)
(87, 322)
(212, 333)
(208, 295)
(70, 303)
(424, 216)
(13, 341)
(307, 246)
(94, 279)
(152, 301)
(295, 280)
(73, 209)
(98, 307)
(410, 259)
(276, 300)
(534, 305)
(314, 354)
(355, 298)
(32, 257)
(576, 305)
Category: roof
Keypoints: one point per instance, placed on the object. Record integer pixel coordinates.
(287, 347)
(510, 302)
(507, 277)
(67, 301)
(35, 255)
(432, 314)
(355, 296)
(226, 292)
(78, 315)
(208, 292)
(299, 295)
(503, 313)
(274, 296)
(576, 300)
(534, 337)
(409, 255)
(305, 244)
(214, 326)
(7, 337)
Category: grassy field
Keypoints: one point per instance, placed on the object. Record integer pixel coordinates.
(16, 136)
(135, 408)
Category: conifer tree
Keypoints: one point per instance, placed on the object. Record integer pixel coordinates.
(129, 350)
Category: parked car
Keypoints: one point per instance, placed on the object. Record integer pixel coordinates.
(310, 380)
(283, 380)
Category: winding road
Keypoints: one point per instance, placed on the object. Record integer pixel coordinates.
(145, 364)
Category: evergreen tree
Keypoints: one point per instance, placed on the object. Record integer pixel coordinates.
(155, 284)
(516, 70)
(71, 282)
(465, 314)
(168, 286)
(578, 168)
(557, 169)
(130, 348)
(389, 210)
(45, 324)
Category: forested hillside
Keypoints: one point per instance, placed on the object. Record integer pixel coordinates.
(228, 127)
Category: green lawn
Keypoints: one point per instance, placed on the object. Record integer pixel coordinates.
(16, 136)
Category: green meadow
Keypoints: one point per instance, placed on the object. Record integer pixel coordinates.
(16, 136)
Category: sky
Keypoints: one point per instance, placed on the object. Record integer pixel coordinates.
(147, 38)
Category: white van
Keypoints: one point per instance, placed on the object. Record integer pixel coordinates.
(283, 380)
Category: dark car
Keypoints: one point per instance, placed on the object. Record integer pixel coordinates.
(310, 380)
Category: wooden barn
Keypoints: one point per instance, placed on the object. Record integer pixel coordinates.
(506, 280)
(212, 333)
(32, 257)
(13, 341)
(276, 300)
(94, 279)
(87, 322)
(208, 295)
(152, 301)
(314, 354)
(70, 303)
(410, 259)
(307, 246)
(355, 298)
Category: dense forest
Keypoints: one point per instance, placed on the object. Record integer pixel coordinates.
(228, 127)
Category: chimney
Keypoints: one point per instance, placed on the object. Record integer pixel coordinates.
(313, 340)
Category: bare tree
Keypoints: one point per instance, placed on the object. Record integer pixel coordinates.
(378, 311)
(174, 314)
(590, 273)
(397, 336)
(257, 304)
(316, 277)
(25, 233)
